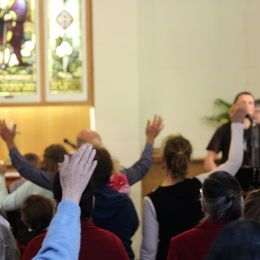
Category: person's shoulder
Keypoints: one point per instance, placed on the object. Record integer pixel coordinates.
(184, 237)
(33, 246)
(226, 126)
(193, 182)
(92, 231)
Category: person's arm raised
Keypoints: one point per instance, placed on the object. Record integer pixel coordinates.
(27, 170)
(63, 238)
(235, 158)
(140, 168)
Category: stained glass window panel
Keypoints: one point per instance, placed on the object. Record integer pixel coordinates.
(18, 69)
(65, 80)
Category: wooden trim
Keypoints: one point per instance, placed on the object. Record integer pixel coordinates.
(157, 157)
(90, 67)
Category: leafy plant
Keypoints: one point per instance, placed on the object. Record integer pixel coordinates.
(223, 116)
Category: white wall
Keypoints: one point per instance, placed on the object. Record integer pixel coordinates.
(253, 46)
(116, 82)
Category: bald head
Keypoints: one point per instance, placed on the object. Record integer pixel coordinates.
(88, 136)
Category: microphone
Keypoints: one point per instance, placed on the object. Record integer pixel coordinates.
(66, 141)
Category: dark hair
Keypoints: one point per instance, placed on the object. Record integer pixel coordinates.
(37, 212)
(238, 241)
(177, 152)
(86, 201)
(53, 155)
(103, 171)
(32, 158)
(242, 93)
(222, 196)
(251, 210)
(8, 245)
(257, 102)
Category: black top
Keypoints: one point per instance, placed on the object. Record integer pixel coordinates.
(178, 209)
(220, 142)
(249, 174)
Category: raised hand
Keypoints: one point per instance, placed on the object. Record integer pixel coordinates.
(76, 171)
(7, 134)
(153, 128)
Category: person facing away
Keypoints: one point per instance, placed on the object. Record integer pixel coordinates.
(237, 241)
(174, 207)
(113, 211)
(96, 243)
(220, 142)
(221, 202)
(36, 214)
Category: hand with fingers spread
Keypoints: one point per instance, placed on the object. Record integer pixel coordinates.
(76, 171)
(8, 135)
(153, 128)
(238, 113)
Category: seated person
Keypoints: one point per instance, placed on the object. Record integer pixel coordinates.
(174, 207)
(53, 154)
(238, 241)
(221, 201)
(113, 211)
(36, 213)
(96, 243)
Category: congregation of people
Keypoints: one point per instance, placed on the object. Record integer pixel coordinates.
(77, 205)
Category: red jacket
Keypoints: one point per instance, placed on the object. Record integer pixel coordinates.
(194, 244)
(96, 244)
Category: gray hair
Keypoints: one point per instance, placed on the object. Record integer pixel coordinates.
(222, 197)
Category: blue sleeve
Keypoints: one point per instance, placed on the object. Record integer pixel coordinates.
(140, 168)
(30, 172)
(62, 241)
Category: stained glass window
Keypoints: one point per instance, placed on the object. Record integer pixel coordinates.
(65, 28)
(18, 69)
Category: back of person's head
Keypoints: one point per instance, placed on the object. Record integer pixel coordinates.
(86, 201)
(53, 155)
(37, 212)
(8, 246)
(88, 136)
(104, 168)
(238, 241)
(241, 94)
(222, 197)
(176, 154)
(33, 158)
(251, 209)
